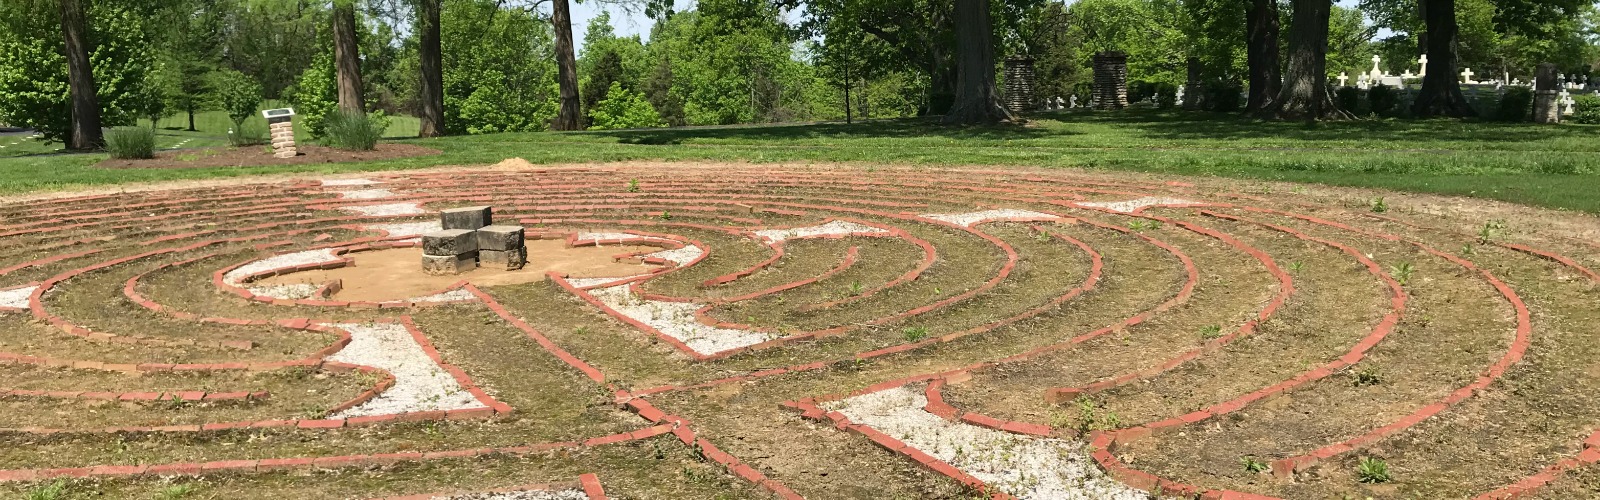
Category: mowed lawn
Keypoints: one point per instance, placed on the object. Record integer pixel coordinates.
(1552, 166)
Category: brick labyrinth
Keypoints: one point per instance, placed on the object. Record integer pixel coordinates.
(798, 333)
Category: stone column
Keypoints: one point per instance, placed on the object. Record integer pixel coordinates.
(1193, 89)
(1019, 84)
(280, 122)
(1546, 95)
(1111, 80)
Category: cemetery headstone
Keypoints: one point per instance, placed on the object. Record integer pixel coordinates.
(1546, 96)
(1111, 80)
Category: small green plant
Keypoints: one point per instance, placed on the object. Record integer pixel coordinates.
(1296, 266)
(582, 330)
(1378, 205)
(1402, 272)
(915, 333)
(1368, 375)
(665, 215)
(52, 491)
(1373, 470)
(247, 134)
(1091, 418)
(1490, 231)
(131, 143)
(1209, 332)
(1253, 465)
(352, 131)
(659, 453)
(176, 491)
(1468, 250)
(856, 288)
(633, 185)
(1142, 224)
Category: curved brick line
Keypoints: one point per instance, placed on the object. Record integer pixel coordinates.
(681, 428)
(930, 255)
(184, 396)
(461, 377)
(317, 463)
(937, 406)
(1056, 395)
(589, 371)
(850, 256)
(1544, 254)
(1192, 279)
(1122, 471)
(341, 249)
(124, 215)
(810, 410)
(588, 483)
(47, 260)
(777, 253)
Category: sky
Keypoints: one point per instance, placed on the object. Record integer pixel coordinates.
(625, 24)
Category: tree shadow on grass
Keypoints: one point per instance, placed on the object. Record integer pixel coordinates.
(875, 129)
(1179, 125)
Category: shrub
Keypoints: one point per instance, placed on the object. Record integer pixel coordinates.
(131, 143)
(1349, 98)
(1223, 97)
(1587, 109)
(352, 131)
(1516, 105)
(624, 109)
(237, 94)
(1373, 470)
(247, 134)
(1382, 99)
(1166, 95)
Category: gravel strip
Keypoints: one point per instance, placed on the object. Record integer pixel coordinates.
(400, 229)
(970, 218)
(387, 210)
(419, 383)
(278, 262)
(16, 297)
(521, 495)
(1135, 204)
(349, 182)
(615, 237)
(679, 256)
(588, 282)
(288, 292)
(676, 320)
(1024, 466)
(366, 194)
(450, 296)
(838, 227)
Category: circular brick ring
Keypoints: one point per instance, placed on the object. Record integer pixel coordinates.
(956, 233)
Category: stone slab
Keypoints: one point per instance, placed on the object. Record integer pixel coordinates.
(500, 237)
(470, 218)
(450, 242)
(509, 260)
(444, 265)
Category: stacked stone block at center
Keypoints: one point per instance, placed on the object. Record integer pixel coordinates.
(468, 240)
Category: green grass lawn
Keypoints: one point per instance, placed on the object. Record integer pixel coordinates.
(217, 123)
(1552, 166)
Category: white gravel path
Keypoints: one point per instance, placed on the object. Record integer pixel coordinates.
(16, 297)
(279, 261)
(588, 282)
(676, 320)
(679, 256)
(390, 209)
(450, 296)
(1134, 204)
(615, 237)
(419, 383)
(366, 194)
(349, 182)
(837, 227)
(400, 229)
(521, 495)
(1024, 466)
(295, 291)
(970, 218)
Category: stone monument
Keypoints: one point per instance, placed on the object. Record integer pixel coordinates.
(280, 122)
(1546, 95)
(1111, 80)
(1019, 84)
(468, 239)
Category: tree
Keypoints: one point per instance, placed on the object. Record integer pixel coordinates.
(976, 101)
(430, 53)
(34, 84)
(86, 133)
(606, 72)
(1305, 93)
(347, 57)
(237, 94)
(1441, 91)
(566, 67)
(500, 76)
(191, 52)
(1266, 77)
(622, 109)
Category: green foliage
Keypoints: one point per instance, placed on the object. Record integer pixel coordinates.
(1402, 272)
(500, 75)
(51, 491)
(33, 69)
(316, 94)
(1516, 105)
(1148, 31)
(1367, 376)
(1382, 99)
(1373, 470)
(624, 109)
(236, 94)
(1166, 95)
(915, 333)
(1586, 109)
(1209, 332)
(1224, 96)
(247, 133)
(1378, 205)
(1349, 98)
(353, 131)
(131, 143)
(1253, 465)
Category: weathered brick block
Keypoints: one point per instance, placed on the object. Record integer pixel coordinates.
(509, 260)
(470, 218)
(500, 237)
(451, 242)
(441, 265)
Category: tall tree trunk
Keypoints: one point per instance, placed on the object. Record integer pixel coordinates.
(191, 120)
(1305, 93)
(1261, 53)
(566, 67)
(347, 56)
(977, 100)
(80, 79)
(1441, 92)
(431, 91)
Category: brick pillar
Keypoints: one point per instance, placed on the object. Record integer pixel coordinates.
(1546, 95)
(282, 129)
(1111, 80)
(1019, 84)
(1193, 89)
